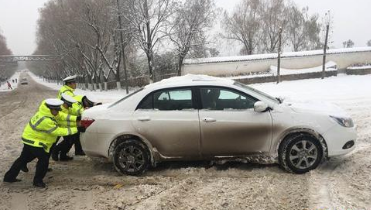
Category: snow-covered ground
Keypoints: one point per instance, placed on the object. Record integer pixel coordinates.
(368, 66)
(340, 183)
(4, 85)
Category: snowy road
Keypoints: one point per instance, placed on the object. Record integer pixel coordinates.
(341, 183)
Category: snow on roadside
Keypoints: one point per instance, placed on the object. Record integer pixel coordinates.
(4, 85)
(360, 67)
(329, 66)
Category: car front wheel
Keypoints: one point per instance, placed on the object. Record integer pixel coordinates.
(300, 153)
(131, 157)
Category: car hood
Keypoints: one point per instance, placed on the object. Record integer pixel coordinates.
(316, 107)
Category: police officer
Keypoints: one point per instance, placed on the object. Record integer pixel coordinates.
(63, 148)
(68, 87)
(83, 102)
(64, 120)
(38, 137)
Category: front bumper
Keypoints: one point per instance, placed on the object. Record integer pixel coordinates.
(337, 137)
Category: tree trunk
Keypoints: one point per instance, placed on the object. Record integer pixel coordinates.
(150, 69)
(149, 42)
(118, 84)
(180, 64)
(105, 86)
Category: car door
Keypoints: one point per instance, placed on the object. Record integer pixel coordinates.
(168, 119)
(229, 124)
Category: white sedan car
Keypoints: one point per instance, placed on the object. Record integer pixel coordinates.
(197, 117)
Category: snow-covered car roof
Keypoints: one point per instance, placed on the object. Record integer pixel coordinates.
(189, 80)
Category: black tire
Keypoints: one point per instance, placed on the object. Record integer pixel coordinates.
(131, 157)
(300, 153)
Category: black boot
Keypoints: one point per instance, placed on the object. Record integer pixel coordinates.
(80, 153)
(11, 180)
(24, 169)
(40, 184)
(55, 155)
(65, 158)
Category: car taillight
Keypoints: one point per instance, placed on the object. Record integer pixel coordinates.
(86, 122)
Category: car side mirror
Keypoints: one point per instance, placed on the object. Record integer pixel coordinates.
(260, 106)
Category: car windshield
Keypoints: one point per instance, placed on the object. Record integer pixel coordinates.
(124, 98)
(258, 92)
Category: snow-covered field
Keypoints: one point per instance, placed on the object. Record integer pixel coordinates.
(340, 183)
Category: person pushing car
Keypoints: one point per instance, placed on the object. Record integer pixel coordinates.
(38, 137)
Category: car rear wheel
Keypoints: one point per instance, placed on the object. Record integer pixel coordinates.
(131, 157)
(300, 154)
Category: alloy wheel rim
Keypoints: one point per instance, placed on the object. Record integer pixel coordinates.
(131, 159)
(303, 154)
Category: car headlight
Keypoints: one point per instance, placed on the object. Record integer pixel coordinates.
(346, 122)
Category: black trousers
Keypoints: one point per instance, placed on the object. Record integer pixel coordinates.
(65, 146)
(53, 146)
(78, 147)
(29, 153)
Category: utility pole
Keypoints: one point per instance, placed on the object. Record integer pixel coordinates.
(123, 53)
(279, 56)
(325, 46)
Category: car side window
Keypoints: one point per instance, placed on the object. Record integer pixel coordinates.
(173, 99)
(216, 98)
(168, 99)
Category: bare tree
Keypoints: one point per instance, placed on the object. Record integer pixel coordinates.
(274, 16)
(348, 44)
(303, 31)
(148, 20)
(203, 47)
(243, 25)
(192, 19)
(83, 33)
(296, 29)
(6, 69)
(4, 50)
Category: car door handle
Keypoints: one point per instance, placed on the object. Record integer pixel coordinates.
(146, 118)
(209, 119)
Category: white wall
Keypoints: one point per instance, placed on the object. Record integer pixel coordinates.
(225, 67)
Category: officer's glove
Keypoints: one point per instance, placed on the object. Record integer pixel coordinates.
(81, 129)
(78, 118)
(100, 103)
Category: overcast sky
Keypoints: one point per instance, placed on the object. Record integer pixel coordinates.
(351, 20)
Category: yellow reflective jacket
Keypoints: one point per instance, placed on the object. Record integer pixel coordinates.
(67, 90)
(64, 118)
(78, 106)
(43, 130)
